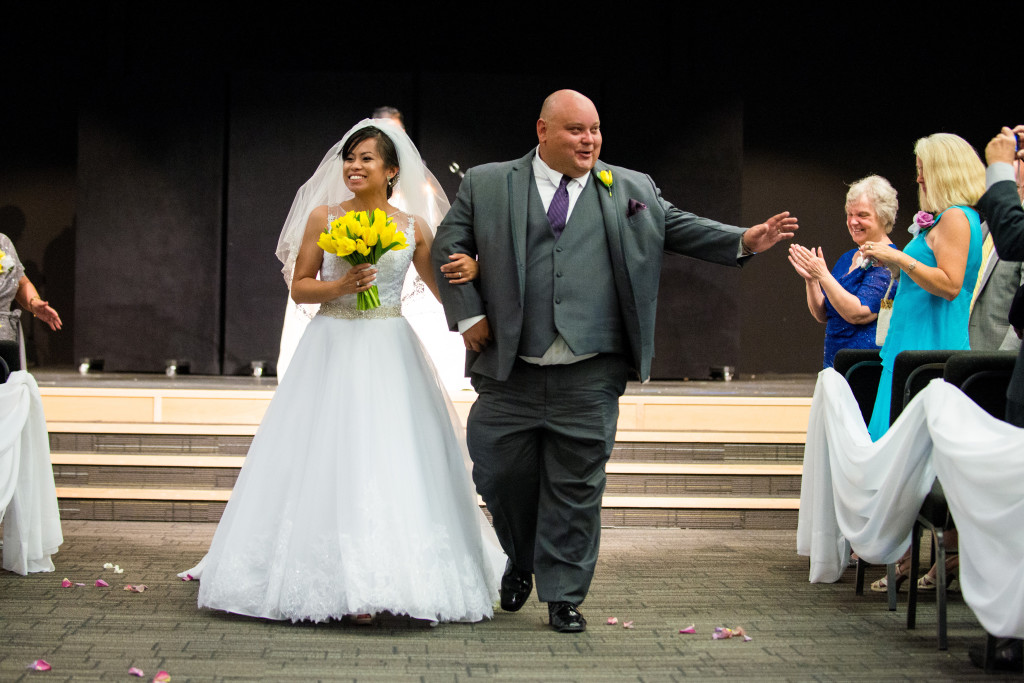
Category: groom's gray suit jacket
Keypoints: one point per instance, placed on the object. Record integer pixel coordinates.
(489, 219)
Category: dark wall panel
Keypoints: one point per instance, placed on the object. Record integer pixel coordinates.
(281, 125)
(148, 275)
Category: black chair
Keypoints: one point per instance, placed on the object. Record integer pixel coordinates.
(862, 369)
(913, 371)
(4, 371)
(10, 352)
(984, 377)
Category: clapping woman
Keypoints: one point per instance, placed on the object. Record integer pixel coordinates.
(847, 298)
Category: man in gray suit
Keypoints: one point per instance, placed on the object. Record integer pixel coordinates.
(1001, 205)
(561, 315)
(998, 281)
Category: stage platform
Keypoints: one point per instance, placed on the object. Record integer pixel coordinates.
(690, 454)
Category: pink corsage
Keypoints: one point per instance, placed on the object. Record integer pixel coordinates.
(922, 221)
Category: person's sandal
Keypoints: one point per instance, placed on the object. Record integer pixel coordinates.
(902, 573)
(928, 581)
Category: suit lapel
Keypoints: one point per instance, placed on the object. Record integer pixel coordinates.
(614, 211)
(519, 179)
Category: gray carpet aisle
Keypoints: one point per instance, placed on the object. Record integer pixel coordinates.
(663, 580)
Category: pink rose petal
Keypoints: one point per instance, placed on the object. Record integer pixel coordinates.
(136, 671)
(188, 577)
(79, 584)
(101, 583)
(689, 629)
(39, 665)
(161, 677)
(627, 624)
(747, 639)
(136, 589)
(612, 621)
(66, 583)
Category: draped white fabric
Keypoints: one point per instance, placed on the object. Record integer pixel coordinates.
(869, 493)
(28, 498)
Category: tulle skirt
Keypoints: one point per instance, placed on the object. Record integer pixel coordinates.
(355, 497)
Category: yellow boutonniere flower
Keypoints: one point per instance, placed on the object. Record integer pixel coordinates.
(606, 178)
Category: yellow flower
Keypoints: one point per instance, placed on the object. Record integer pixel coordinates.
(345, 245)
(387, 234)
(606, 178)
(398, 242)
(327, 243)
(362, 248)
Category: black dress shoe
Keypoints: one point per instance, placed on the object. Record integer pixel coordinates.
(516, 585)
(564, 617)
(1009, 656)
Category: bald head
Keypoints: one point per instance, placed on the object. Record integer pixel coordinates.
(569, 133)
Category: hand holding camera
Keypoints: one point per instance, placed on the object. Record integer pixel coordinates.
(1007, 146)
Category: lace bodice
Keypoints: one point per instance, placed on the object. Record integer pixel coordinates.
(391, 271)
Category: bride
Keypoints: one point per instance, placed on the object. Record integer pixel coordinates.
(355, 498)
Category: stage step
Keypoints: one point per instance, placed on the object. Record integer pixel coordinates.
(190, 477)
(171, 451)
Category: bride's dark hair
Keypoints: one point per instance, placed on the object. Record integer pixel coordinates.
(385, 147)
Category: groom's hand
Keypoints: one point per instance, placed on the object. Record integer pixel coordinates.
(766, 235)
(478, 336)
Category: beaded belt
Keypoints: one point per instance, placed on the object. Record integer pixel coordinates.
(336, 309)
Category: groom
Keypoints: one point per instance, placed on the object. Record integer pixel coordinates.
(562, 314)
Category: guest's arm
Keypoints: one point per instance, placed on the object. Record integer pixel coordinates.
(949, 240)
(1001, 202)
(29, 298)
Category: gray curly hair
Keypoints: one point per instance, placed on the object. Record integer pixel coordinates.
(882, 196)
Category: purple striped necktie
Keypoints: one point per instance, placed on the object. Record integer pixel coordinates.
(558, 210)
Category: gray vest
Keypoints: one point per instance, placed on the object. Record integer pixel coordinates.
(570, 289)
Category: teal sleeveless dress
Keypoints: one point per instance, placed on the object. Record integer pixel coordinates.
(922, 321)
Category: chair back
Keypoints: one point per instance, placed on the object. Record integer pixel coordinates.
(10, 352)
(984, 376)
(906, 383)
(5, 372)
(862, 369)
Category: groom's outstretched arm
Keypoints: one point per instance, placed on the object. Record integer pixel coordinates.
(456, 235)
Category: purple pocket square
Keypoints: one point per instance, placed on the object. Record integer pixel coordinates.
(634, 208)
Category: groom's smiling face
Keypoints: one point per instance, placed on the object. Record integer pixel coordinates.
(569, 132)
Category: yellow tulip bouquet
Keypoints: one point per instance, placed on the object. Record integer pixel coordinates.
(359, 237)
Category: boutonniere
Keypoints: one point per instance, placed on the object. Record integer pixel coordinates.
(6, 262)
(606, 178)
(922, 221)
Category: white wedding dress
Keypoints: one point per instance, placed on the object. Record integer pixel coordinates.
(355, 497)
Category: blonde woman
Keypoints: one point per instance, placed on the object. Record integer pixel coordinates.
(938, 271)
(939, 267)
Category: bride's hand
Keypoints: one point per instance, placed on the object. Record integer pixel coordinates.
(358, 279)
(461, 269)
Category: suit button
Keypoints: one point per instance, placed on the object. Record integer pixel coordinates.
(558, 301)
(558, 275)
(558, 250)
